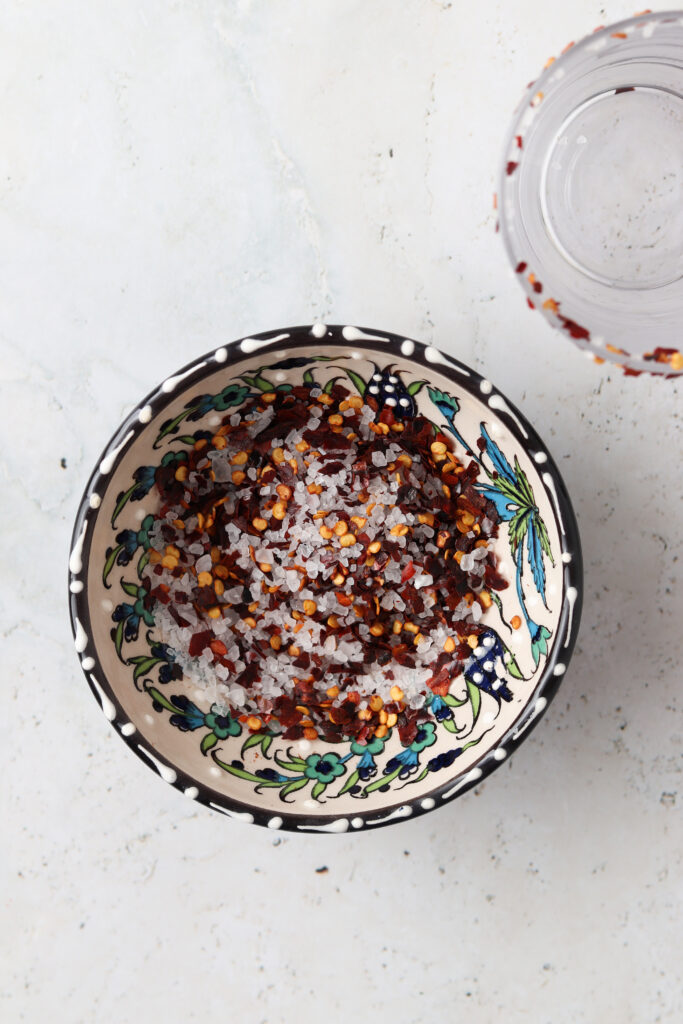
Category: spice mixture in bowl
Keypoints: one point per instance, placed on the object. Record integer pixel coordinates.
(320, 591)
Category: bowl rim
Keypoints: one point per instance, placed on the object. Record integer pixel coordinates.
(425, 356)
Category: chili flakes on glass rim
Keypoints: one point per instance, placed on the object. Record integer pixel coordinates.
(319, 563)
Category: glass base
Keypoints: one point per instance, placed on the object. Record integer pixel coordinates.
(612, 188)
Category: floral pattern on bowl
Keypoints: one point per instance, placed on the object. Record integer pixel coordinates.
(312, 785)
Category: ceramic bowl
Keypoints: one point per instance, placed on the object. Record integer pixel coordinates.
(591, 193)
(315, 786)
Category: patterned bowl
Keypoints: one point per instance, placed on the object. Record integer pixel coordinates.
(316, 786)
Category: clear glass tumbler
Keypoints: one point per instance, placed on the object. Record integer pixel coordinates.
(591, 193)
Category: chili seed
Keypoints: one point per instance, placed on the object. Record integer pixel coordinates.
(310, 607)
(259, 524)
(348, 540)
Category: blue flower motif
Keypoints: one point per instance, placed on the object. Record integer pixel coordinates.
(485, 669)
(233, 394)
(539, 640)
(131, 614)
(221, 724)
(190, 717)
(144, 480)
(444, 760)
(426, 736)
(406, 760)
(169, 670)
(367, 752)
(128, 543)
(440, 709)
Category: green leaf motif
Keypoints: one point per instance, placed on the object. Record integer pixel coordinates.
(294, 765)
(543, 537)
(143, 665)
(499, 605)
(382, 781)
(262, 740)
(358, 382)
(130, 588)
(144, 559)
(308, 378)
(158, 697)
(415, 386)
(330, 384)
(258, 381)
(121, 503)
(524, 485)
(453, 702)
(118, 640)
(242, 773)
(318, 790)
(517, 529)
(291, 787)
(172, 426)
(475, 699)
(109, 565)
(350, 783)
(209, 741)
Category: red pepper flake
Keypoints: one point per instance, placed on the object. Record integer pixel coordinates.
(520, 268)
(511, 167)
(408, 572)
(575, 330)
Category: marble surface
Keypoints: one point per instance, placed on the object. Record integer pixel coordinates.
(173, 175)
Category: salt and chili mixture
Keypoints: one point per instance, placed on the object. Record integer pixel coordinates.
(319, 565)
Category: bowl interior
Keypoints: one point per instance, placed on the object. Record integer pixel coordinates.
(315, 785)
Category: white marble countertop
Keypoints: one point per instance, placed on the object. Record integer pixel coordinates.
(176, 175)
